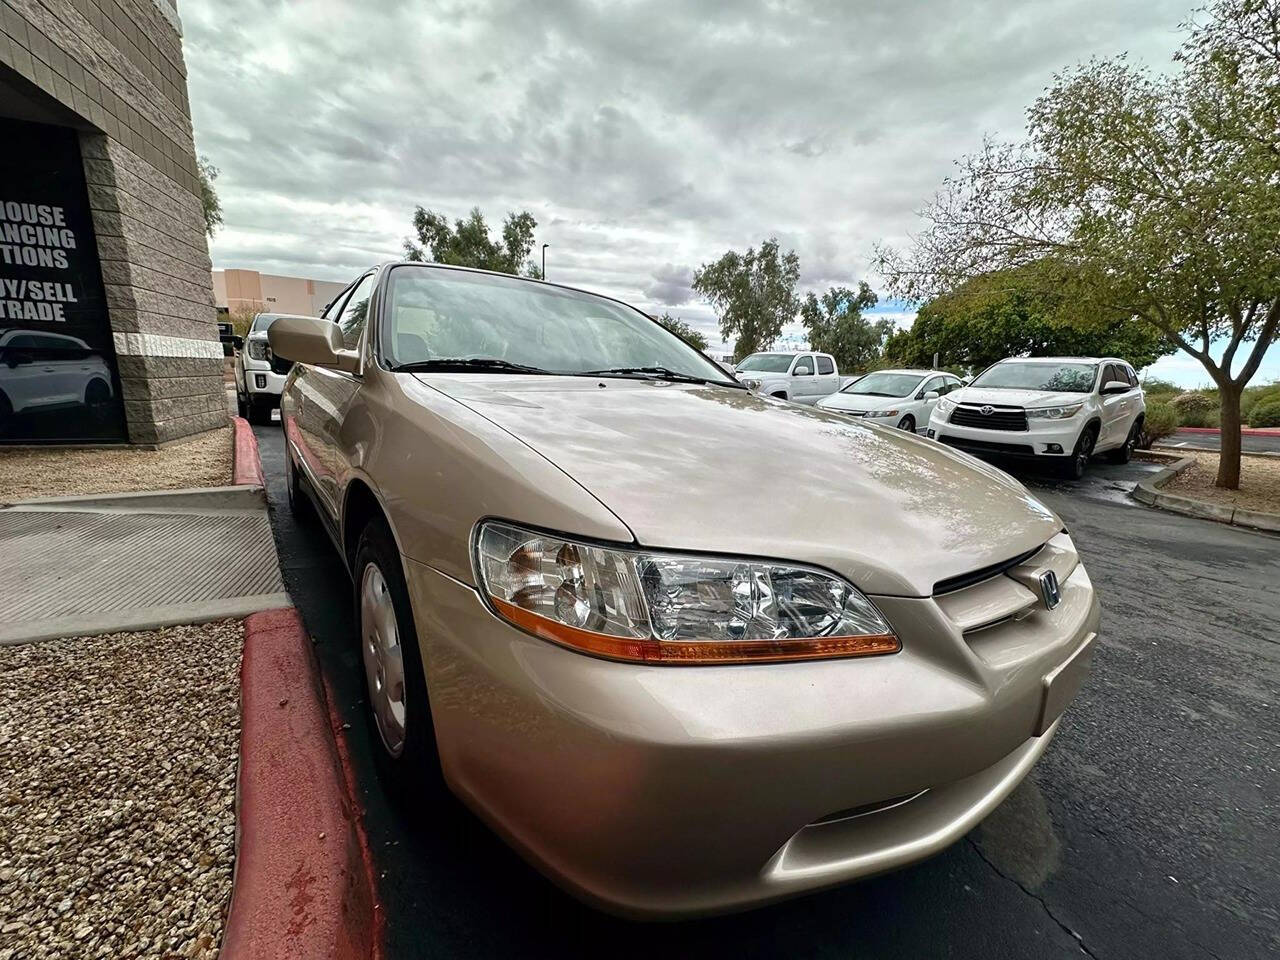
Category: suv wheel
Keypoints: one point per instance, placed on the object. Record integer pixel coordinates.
(907, 423)
(299, 504)
(1122, 453)
(1074, 468)
(399, 714)
(242, 406)
(259, 413)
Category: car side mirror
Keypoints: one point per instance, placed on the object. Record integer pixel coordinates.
(802, 372)
(311, 340)
(930, 395)
(1116, 386)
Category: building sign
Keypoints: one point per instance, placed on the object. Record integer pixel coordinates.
(58, 378)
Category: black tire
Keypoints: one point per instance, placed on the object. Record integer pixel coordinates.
(1124, 452)
(1073, 469)
(259, 413)
(242, 405)
(414, 772)
(97, 398)
(6, 414)
(907, 423)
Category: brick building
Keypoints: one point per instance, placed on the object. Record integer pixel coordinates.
(107, 322)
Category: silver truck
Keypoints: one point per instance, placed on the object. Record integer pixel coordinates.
(798, 377)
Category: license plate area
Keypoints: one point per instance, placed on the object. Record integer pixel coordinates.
(1063, 682)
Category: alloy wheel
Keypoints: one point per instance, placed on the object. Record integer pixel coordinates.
(383, 659)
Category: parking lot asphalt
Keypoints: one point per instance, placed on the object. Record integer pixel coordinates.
(1249, 443)
(1149, 829)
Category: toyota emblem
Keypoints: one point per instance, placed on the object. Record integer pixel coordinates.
(987, 410)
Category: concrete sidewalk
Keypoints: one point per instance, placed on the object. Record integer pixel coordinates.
(135, 561)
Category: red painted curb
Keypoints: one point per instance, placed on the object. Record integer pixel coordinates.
(1244, 431)
(303, 886)
(247, 465)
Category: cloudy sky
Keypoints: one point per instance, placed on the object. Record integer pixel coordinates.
(645, 137)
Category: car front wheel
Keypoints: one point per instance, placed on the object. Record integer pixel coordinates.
(907, 423)
(398, 711)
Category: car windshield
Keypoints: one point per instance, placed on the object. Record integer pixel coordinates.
(767, 363)
(1057, 377)
(261, 322)
(885, 384)
(436, 314)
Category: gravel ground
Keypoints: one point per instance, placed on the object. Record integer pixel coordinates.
(202, 461)
(1259, 482)
(117, 790)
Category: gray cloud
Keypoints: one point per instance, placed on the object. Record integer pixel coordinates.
(645, 137)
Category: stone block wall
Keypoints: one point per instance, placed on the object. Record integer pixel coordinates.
(117, 64)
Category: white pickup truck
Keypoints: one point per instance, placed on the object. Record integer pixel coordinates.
(798, 377)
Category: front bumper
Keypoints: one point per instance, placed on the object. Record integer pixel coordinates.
(1042, 438)
(262, 383)
(658, 791)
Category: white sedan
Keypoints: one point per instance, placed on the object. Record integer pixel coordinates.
(902, 397)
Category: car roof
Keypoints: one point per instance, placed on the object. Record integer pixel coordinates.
(1062, 360)
(916, 373)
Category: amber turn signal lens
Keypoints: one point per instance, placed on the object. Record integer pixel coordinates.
(700, 652)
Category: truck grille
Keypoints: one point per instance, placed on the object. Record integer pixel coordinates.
(1000, 418)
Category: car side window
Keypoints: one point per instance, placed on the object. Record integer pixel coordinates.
(1133, 376)
(825, 366)
(1112, 372)
(334, 309)
(355, 313)
(934, 383)
(948, 385)
(803, 366)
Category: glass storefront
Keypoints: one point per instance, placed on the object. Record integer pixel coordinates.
(58, 376)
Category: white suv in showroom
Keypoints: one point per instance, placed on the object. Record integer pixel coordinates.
(1058, 409)
(259, 375)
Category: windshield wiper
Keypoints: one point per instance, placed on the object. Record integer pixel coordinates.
(657, 373)
(466, 364)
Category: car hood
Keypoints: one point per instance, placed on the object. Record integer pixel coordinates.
(860, 401)
(717, 469)
(1015, 398)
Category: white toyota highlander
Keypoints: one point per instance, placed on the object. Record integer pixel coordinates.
(1060, 409)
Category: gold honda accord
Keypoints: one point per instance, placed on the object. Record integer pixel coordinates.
(689, 650)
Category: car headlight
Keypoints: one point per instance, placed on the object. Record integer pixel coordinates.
(751, 384)
(945, 406)
(257, 349)
(1055, 413)
(882, 413)
(673, 608)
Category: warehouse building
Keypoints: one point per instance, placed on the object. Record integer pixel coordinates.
(108, 329)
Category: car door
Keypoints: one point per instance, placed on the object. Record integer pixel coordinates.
(318, 397)
(1115, 423)
(802, 379)
(921, 406)
(827, 380)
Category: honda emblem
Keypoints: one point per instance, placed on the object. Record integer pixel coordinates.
(1049, 589)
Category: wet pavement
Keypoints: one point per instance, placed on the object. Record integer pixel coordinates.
(1148, 829)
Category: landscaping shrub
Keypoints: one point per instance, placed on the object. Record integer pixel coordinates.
(1255, 396)
(1201, 418)
(1185, 403)
(1266, 414)
(1155, 387)
(1160, 421)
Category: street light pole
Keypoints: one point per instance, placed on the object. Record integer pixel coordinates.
(544, 260)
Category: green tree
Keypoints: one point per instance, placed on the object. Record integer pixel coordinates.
(1155, 196)
(209, 201)
(753, 293)
(836, 326)
(466, 243)
(682, 329)
(1000, 315)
